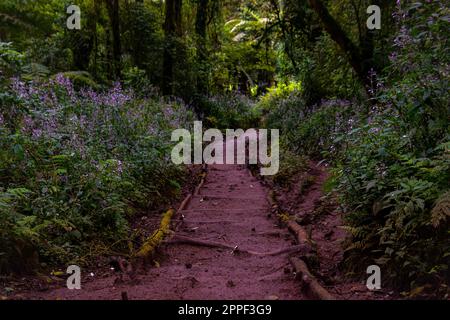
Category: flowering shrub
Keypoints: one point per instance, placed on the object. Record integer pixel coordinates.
(314, 130)
(391, 157)
(74, 165)
(393, 177)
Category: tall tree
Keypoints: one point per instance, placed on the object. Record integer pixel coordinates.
(172, 31)
(114, 17)
(200, 29)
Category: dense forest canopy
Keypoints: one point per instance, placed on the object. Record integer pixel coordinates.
(196, 47)
(86, 116)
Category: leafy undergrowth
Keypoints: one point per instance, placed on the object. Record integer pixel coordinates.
(76, 165)
(301, 193)
(228, 111)
(390, 157)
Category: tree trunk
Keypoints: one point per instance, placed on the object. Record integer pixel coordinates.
(113, 10)
(172, 30)
(355, 56)
(200, 29)
(94, 30)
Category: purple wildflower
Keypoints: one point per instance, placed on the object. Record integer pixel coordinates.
(116, 96)
(19, 88)
(119, 167)
(66, 84)
(36, 133)
(27, 124)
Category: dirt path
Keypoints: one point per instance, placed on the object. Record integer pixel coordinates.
(232, 209)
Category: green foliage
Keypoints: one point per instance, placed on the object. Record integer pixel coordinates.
(281, 91)
(229, 111)
(326, 72)
(394, 173)
(310, 130)
(391, 155)
(11, 60)
(291, 164)
(284, 114)
(81, 79)
(143, 39)
(316, 134)
(76, 165)
(35, 71)
(389, 194)
(136, 78)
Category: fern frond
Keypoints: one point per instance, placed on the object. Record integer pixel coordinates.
(441, 210)
(359, 233)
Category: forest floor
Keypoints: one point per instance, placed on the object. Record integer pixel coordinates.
(231, 208)
(229, 246)
(303, 199)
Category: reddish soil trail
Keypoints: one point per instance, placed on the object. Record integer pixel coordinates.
(232, 209)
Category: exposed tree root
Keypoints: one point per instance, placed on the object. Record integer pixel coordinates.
(155, 239)
(300, 233)
(185, 202)
(177, 239)
(189, 197)
(183, 205)
(146, 251)
(197, 190)
(310, 284)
